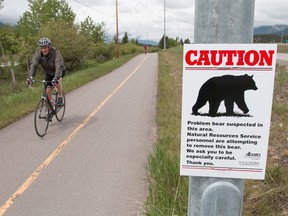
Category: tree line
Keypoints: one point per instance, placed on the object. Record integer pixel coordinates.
(78, 42)
(56, 20)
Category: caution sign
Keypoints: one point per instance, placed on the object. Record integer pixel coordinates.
(226, 109)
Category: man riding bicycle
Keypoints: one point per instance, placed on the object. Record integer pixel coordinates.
(52, 63)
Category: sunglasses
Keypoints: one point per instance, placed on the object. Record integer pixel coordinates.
(45, 47)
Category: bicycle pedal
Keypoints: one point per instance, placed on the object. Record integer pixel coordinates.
(50, 117)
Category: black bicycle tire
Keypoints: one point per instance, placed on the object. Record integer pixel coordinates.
(58, 116)
(44, 118)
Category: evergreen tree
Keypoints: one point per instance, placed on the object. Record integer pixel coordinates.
(125, 38)
(187, 41)
(161, 42)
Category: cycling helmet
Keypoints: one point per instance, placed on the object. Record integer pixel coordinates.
(44, 42)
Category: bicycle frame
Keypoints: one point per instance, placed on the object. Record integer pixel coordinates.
(45, 96)
(46, 109)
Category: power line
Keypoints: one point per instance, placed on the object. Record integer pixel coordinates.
(125, 29)
(92, 8)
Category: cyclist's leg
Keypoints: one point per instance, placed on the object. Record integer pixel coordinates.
(49, 85)
(60, 89)
(59, 84)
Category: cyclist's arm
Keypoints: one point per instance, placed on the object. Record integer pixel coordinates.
(34, 64)
(59, 64)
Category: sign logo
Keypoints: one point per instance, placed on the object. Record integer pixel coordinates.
(253, 156)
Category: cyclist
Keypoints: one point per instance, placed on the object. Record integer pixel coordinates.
(145, 48)
(52, 63)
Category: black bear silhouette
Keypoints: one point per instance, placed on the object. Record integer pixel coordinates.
(228, 88)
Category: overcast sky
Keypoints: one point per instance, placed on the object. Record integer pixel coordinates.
(144, 19)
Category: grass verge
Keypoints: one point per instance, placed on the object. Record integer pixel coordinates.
(24, 100)
(168, 192)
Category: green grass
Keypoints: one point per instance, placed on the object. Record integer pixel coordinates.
(17, 101)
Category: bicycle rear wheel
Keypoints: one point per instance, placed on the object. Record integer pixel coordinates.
(60, 110)
(41, 118)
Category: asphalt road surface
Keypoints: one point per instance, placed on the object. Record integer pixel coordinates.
(93, 162)
(282, 58)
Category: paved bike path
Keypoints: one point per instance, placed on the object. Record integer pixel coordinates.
(282, 58)
(97, 165)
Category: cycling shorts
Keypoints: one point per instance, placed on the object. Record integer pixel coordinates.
(49, 77)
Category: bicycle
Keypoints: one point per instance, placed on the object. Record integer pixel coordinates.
(46, 109)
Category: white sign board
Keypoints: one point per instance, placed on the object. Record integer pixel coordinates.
(226, 109)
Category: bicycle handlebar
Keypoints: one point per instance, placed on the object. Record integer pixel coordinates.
(29, 85)
(43, 81)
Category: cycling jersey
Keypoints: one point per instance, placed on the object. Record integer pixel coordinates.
(52, 64)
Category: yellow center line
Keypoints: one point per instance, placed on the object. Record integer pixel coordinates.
(39, 170)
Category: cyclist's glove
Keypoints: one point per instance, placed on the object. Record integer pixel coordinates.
(29, 81)
(54, 81)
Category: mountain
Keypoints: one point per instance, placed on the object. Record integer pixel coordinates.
(149, 42)
(110, 38)
(275, 29)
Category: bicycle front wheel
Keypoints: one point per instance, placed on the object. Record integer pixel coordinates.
(41, 118)
(60, 110)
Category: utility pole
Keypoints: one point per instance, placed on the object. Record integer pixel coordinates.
(164, 25)
(2, 50)
(218, 21)
(117, 37)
